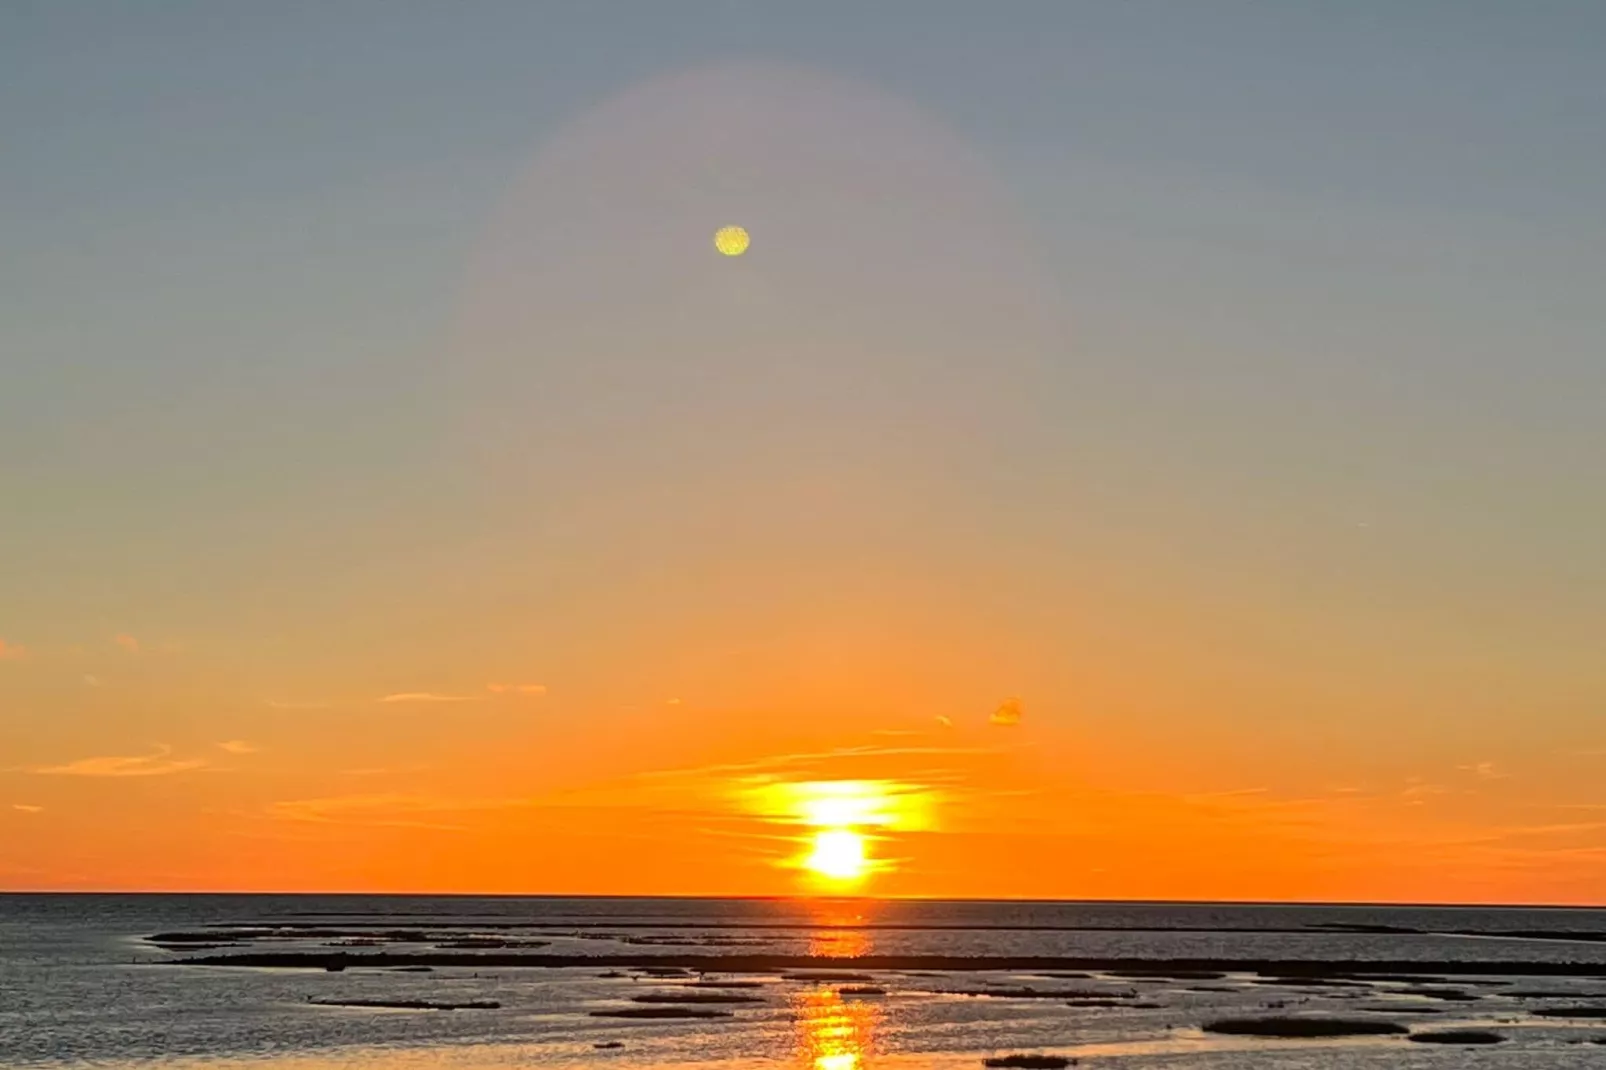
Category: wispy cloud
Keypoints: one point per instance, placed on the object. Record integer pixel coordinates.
(28, 808)
(885, 804)
(1555, 829)
(390, 810)
(238, 746)
(427, 696)
(1227, 793)
(1483, 770)
(158, 763)
(785, 763)
(12, 651)
(91, 680)
(1418, 791)
(1008, 714)
(127, 642)
(529, 690)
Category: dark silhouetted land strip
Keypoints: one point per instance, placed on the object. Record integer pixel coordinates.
(830, 976)
(1457, 1036)
(1304, 1027)
(362, 928)
(411, 1004)
(1024, 992)
(1398, 1008)
(661, 1012)
(1030, 1062)
(1571, 1012)
(1169, 975)
(1448, 995)
(675, 963)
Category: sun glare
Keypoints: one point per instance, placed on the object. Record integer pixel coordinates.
(838, 822)
(838, 854)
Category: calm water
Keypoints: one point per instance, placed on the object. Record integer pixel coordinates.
(81, 983)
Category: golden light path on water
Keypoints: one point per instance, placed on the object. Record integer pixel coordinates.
(834, 1033)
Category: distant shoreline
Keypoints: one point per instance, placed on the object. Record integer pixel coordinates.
(337, 961)
(1337, 904)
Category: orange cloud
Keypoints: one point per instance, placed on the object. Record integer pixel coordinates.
(426, 696)
(28, 808)
(532, 690)
(390, 810)
(127, 642)
(886, 804)
(158, 763)
(11, 651)
(1483, 770)
(238, 746)
(1008, 714)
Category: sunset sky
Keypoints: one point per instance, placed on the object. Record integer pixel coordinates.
(1147, 450)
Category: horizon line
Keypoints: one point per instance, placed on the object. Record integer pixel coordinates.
(683, 897)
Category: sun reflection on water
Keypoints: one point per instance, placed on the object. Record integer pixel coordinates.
(839, 930)
(839, 943)
(833, 1033)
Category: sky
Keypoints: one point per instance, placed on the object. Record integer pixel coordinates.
(1148, 450)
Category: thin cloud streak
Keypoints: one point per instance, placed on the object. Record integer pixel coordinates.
(427, 696)
(1483, 770)
(158, 763)
(785, 761)
(392, 810)
(528, 690)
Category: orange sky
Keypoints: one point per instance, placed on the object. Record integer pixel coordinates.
(638, 532)
(508, 789)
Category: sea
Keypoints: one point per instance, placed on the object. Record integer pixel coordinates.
(313, 982)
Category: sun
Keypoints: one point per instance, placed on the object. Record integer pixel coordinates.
(731, 241)
(837, 827)
(838, 855)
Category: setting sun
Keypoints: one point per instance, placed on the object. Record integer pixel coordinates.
(838, 854)
(834, 821)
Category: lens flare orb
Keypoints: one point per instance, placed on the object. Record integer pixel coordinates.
(731, 240)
